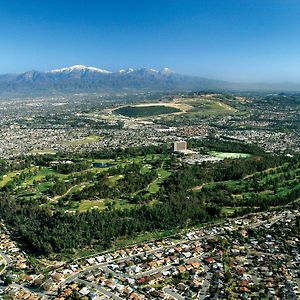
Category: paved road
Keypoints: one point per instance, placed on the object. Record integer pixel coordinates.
(7, 262)
(104, 265)
(5, 257)
(99, 289)
(204, 292)
(173, 294)
(167, 267)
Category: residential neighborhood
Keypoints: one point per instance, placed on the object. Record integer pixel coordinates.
(88, 123)
(255, 257)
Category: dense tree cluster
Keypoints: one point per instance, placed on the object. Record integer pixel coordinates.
(45, 232)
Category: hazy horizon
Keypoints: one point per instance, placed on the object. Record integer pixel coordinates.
(239, 41)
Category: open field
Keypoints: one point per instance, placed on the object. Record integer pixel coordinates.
(209, 104)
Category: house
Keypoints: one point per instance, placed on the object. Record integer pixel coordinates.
(84, 291)
(154, 293)
(57, 277)
(187, 254)
(181, 269)
(195, 284)
(100, 259)
(134, 296)
(195, 264)
(141, 280)
(210, 260)
(182, 287)
(92, 296)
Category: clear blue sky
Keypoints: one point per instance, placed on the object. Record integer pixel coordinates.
(241, 40)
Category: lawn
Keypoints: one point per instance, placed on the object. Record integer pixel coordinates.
(224, 155)
(228, 210)
(108, 161)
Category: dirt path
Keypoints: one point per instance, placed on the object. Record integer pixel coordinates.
(56, 198)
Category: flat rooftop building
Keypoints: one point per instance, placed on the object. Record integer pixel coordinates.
(180, 146)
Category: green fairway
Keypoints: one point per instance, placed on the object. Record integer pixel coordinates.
(154, 187)
(10, 176)
(145, 169)
(39, 176)
(115, 178)
(88, 204)
(6, 178)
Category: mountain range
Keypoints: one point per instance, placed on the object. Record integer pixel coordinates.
(79, 78)
(82, 79)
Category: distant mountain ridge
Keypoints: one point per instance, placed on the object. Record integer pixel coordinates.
(79, 78)
(83, 79)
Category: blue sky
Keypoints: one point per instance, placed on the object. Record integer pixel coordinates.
(237, 40)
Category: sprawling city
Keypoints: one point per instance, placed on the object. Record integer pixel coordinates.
(144, 183)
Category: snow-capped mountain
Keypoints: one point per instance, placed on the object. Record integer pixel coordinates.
(79, 68)
(122, 71)
(79, 78)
